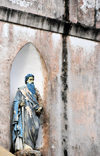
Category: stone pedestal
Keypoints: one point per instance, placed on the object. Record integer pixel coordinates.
(28, 152)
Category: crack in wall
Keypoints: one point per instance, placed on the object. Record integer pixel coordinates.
(66, 13)
(64, 96)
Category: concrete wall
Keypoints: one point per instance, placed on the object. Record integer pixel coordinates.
(71, 75)
(86, 12)
(49, 45)
(97, 13)
(49, 8)
(83, 108)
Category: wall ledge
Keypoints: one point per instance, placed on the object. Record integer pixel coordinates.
(48, 24)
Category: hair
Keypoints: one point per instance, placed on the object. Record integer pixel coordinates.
(27, 77)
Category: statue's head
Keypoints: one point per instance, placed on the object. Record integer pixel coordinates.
(29, 78)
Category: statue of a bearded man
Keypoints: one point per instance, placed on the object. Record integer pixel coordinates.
(27, 107)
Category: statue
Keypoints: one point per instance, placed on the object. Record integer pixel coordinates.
(27, 107)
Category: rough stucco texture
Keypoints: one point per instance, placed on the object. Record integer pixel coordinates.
(73, 10)
(49, 45)
(86, 12)
(49, 8)
(83, 97)
(98, 13)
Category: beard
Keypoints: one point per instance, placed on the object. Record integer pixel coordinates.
(31, 88)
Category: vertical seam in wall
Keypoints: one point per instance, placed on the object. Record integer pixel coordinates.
(66, 13)
(95, 12)
(64, 96)
(77, 10)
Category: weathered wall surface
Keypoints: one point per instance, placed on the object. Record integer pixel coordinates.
(73, 10)
(49, 45)
(86, 12)
(97, 13)
(83, 109)
(49, 8)
(71, 88)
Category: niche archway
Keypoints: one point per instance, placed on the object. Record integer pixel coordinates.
(28, 60)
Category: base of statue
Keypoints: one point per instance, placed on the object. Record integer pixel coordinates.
(28, 152)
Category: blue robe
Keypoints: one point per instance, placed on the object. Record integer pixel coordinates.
(25, 120)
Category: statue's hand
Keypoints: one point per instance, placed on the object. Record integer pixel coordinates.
(39, 110)
(22, 104)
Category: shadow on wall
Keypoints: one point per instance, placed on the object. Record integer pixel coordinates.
(28, 60)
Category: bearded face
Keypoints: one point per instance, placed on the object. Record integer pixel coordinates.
(30, 85)
(30, 80)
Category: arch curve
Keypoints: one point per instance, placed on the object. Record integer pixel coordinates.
(28, 60)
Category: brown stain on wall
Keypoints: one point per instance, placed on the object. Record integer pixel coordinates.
(45, 45)
(83, 74)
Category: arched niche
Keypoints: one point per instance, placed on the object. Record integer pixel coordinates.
(28, 60)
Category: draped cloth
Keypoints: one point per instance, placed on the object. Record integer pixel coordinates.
(25, 120)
